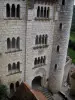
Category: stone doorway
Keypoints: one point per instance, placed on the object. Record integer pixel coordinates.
(37, 81)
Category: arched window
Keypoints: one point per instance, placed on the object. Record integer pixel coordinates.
(36, 40)
(18, 43)
(14, 66)
(9, 67)
(38, 12)
(13, 11)
(43, 39)
(45, 12)
(55, 68)
(18, 66)
(46, 38)
(17, 84)
(60, 26)
(48, 12)
(11, 88)
(8, 43)
(58, 48)
(13, 42)
(35, 61)
(41, 11)
(18, 11)
(44, 59)
(7, 10)
(63, 2)
(39, 60)
(40, 38)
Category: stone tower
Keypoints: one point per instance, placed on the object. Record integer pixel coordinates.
(12, 42)
(64, 9)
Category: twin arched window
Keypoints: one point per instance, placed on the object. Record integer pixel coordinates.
(14, 66)
(43, 12)
(40, 60)
(13, 11)
(41, 39)
(14, 43)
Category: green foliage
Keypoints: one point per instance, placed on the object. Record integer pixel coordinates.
(3, 92)
(71, 53)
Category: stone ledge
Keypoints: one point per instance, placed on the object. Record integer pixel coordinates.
(39, 47)
(37, 66)
(14, 73)
(12, 51)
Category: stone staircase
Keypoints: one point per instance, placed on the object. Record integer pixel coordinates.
(46, 93)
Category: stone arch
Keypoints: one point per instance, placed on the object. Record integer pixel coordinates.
(17, 84)
(41, 72)
(11, 88)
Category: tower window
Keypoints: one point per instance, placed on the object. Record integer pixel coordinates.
(13, 42)
(55, 68)
(60, 27)
(8, 10)
(11, 88)
(58, 48)
(18, 11)
(63, 2)
(39, 60)
(43, 39)
(38, 12)
(8, 43)
(13, 11)
(18, 43)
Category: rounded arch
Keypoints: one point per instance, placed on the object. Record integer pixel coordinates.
(45, 12)
(18, 11)
(13, 42)
(17, 84)
(13, 66)
(8, 43)
(18, 43)
(7, 10)
(12, 88)
(36, 81)
(42, 12)
(9, 67)
(13, 10)
(38, 11)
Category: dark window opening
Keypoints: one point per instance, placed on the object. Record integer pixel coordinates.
(60, 27)
(9, 67)
(38, 12)
(36, 40)
(43, 38)
(17, 84)
(63, 2)
(18, 43)
(18, 11)
(41, 11)
(40, 39)
(58, 48)
(36, 61)
(44, 59)
(8, 10)
(8, 43)
(45, 12)
(55, 68)
(46, 38)
(14, 66)
(13, 42)
(18, 66)
(39, 60)
(11, 88)
(48, 12)
(13, 11)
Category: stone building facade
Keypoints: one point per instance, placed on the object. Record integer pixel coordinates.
(34, 41)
